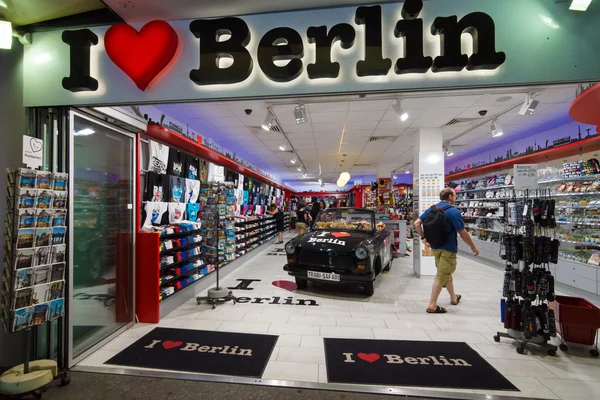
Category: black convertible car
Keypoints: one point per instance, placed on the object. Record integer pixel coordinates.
(345, 246)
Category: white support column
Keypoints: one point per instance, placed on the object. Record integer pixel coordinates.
(428, 181)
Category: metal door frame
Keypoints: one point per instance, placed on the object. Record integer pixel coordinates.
(71, 164)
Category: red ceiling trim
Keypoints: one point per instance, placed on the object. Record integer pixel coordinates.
(571, 149)
(174, 139)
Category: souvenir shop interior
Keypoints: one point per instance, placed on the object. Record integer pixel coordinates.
(216, 182)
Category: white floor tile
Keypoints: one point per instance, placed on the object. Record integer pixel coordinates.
(274, 353)
(327, 312)
(524, 367)
(289, 340)
(205, 325)
(407, 325)
(120, 343)
(346, 332)
(322, 373)
(573, 371)
(279, 318)
(361, 322)
(244, 326)
(293, 329)
(572, 389)
(219, 315)
(398, 334)
(138, 330)
(450, 336)
(312, 320)
(465, 327)
(285, 310)
(372, 314)
(301, 355)
(291, 371)
(312, 341)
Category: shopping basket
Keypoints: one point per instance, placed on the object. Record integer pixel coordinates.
(578, 322)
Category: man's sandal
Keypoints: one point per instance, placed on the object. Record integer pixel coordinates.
(438, 310)
(458, 297)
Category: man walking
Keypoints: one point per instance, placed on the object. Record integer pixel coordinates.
(438, 227)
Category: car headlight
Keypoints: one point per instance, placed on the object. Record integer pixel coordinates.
(290, 247)
(361, 253)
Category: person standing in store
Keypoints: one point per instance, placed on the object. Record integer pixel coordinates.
(304, 219)
(439, 218)
(323, 205)
(276, 212)
(314, 211)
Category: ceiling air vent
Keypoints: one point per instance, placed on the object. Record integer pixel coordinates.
(457, 121)
(362, 165)
(380, 138)
(257, 129)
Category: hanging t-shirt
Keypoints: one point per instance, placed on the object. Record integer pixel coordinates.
(176, 212)
(192, 167)
(216, 173)
(159, 156)
(192, 190)
(177, 189)
(155, 211)
(157, 187)
(176, 162)
(246, 197)
(192, 212)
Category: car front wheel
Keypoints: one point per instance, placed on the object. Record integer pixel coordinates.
(370, 288)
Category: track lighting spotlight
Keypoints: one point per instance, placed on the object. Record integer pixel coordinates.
(283, 147)
(449, 151)
(528, 107)
(496, 128)
(268, 122)
(397, 107)
(293, 161)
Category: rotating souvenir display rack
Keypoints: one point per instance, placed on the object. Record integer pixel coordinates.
(528, 248)
(34, 261)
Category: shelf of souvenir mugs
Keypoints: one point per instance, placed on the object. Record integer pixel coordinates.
(569, 179)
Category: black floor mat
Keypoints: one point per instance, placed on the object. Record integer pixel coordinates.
(210, 352)
(410, 363)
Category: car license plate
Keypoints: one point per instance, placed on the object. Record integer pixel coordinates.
(324, 276)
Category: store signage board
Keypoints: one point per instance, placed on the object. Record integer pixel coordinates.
(33, 152)
(516, 43)
(526, 176)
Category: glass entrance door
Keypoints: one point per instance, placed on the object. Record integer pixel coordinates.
(102, 235)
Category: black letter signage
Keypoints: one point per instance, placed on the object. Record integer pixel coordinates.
(281, 44)
(374, 63)
(211, 50)
(323, 67)
(79, 79)
(481, 27)
(411, 29)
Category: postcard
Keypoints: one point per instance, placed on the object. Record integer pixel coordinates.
(43, 237)
(24, 258)
(22, 318)
(40, 314)
(42, 256)
(25, 238)
(24, 278)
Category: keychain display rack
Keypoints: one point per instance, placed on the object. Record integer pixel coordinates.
(529, 247)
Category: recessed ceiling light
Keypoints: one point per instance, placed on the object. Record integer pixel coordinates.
(580, 5)
(503, 99)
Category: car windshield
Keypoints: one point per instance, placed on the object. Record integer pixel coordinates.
(343, 219)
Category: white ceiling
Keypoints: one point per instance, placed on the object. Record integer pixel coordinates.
(137, 11)
(339, 129)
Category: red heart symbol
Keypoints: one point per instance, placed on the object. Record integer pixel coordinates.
(287, 285)
(142, 56)
(340, 234)
(371, 357)
(169, 344)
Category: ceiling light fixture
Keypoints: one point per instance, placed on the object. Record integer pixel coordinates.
(300, 114)
(529, 106)
(407, 171)
(320, 181)
(293, 161)
(397, 107)
(283, 147)
(449, 151)
(496, 128)
(304, 175)
(85, 132)
(395, 176)
(268, 122)
(580, 5)
(5, 35)
(299, 169)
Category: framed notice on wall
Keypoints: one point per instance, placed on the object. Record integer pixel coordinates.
(526, 177)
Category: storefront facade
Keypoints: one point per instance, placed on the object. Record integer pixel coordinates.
(390, 48)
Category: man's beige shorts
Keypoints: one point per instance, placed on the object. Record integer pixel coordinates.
(445, 262)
